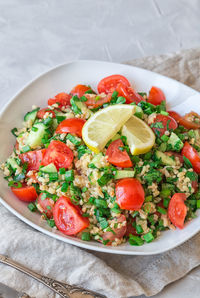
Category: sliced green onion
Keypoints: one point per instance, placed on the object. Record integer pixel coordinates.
(103, 223)
(139, 229)
(165, 138)
(84, 189)
(60, 118)
(73, 139)
(62, 171)
(148, 237)
(161, 210)
(51, 222)
(14, 184)
(135, 240)
(34, 128)
(65, 187)
(69, 176)
(100, 203)
(103, 180)
(13, 131)
(32, 207)
(85, 236)
(53, 176)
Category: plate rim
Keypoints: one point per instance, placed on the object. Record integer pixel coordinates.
(60, 237)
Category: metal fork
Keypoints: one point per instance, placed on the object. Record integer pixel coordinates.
(61, 288)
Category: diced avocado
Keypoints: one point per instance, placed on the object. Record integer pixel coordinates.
(166, 160)
(175, 142)
(31, 115)
(124, 174)
(12, 162)
(96, 160)
(49, 169)
(116, 137)
(34, 138)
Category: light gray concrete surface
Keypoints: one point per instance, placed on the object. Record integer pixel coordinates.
(38, 34)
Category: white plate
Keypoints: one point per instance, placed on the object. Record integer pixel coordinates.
(63, 78)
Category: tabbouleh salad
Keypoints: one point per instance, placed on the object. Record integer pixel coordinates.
(114, 195)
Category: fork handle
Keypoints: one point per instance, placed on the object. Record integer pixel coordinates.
(61, 288)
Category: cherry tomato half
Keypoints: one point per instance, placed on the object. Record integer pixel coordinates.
(42, 112)
(110, 83)
(129, 193)
(46, 205)
(59, 154)
(156, 96)
(166, 122)
(189, 152)
(177, 210)
(95, 101)
(128, 93)
(79, 90)
(72, 125)
(68, 218)
(33, 158)
(183, 120)
(25, 193)
(118, 157)
(62, 98)
(118, 232)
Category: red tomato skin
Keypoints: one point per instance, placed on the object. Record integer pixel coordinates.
(59, 154)
(189, 152)
(16, 146)
(128, 93)
(177, 210)
(162, 118)
(182, 121)
(156, 96)
(119, 232)
(62, 98)
(45, 204)
(42, 112)
(109, 84)
(130, 229)
(79, 90)
(93, 103)
(195, 185)
(25, 193)
(72, 125)
(129, 193)
(116, 157)
(68, 218)
(33, 158)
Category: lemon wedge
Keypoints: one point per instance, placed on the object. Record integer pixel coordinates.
(140, 137)
(104, 124)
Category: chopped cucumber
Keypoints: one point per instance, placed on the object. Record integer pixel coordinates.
(82, 106)
(96, 159)
(54, 123)
(166, 160)
(34, 138)
(31, 115)
(12, 162)
(124, 174)
(138, 112)
(175, 142)
(49, 169)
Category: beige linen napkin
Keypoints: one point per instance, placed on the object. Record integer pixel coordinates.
(112, 275)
